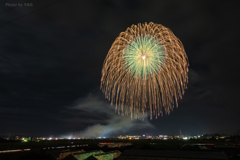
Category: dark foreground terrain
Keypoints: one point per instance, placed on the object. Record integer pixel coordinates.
(49, 149)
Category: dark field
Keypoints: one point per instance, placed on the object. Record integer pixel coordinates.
(230, 148)
(154, 144)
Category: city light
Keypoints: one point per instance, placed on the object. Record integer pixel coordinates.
(126, 137)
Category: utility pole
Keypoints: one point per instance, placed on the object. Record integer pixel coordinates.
(9, 140)
(180, 133)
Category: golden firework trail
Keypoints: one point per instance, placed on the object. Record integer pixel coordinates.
(145, 69)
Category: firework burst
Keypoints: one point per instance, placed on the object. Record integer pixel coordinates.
(145, 68)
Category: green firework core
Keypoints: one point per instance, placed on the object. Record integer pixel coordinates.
(143, 56)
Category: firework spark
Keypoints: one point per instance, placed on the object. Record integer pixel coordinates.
(146, 67)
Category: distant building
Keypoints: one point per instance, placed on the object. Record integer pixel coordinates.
(164, 137)
(120, 137)
(160, 136)
(176, 137)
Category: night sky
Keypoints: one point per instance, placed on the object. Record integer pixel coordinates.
(51, 57)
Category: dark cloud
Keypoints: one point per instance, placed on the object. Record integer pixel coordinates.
(102, 120)
(51, 60)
